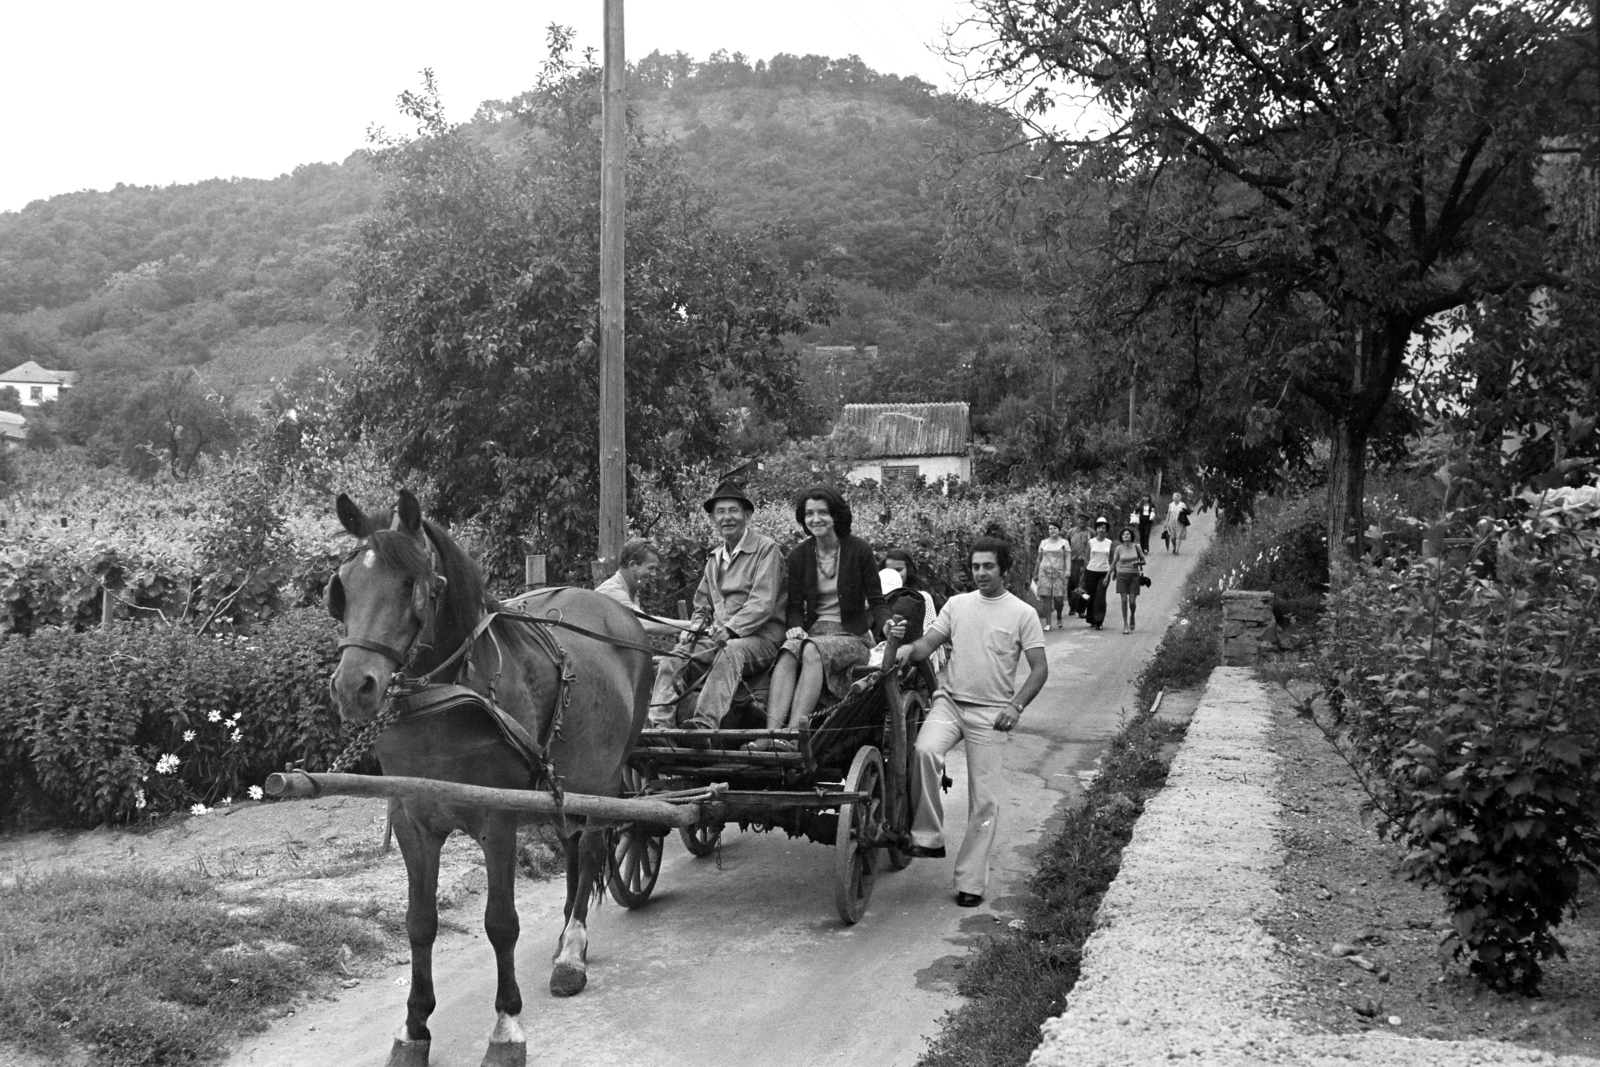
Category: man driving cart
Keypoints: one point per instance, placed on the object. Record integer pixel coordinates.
(737, 625)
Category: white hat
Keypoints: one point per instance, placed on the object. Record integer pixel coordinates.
(1101, 521)
(889, 579)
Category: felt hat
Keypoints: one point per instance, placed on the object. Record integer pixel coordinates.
(728, 490)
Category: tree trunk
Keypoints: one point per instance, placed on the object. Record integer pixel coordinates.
(1347, 487)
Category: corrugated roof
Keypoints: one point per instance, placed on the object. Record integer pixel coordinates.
(911, 429)
(30, 373)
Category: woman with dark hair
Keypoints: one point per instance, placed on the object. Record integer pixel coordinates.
(1127, 568)
(836, 612)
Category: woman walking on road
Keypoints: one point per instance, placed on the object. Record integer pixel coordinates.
(1051, 573)
(1177, 522)
(1097, 573)
(1127, 564)
(1146, 516)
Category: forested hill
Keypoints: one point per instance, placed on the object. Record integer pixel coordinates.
(244, 275)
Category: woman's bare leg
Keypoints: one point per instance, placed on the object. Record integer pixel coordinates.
(809, 687)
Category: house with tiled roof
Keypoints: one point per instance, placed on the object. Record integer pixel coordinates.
(911, 441)
(35, 385)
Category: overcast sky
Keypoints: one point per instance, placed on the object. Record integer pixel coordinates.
(178, 91)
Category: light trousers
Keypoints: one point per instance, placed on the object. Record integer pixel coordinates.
(948, 723)
(724, 667)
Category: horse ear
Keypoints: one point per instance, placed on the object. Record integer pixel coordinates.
(333, 598)
(409, 512)
(351, 517)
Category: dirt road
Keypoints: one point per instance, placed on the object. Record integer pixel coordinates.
(742, 959)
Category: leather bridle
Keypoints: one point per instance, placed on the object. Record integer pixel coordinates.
(402, 658)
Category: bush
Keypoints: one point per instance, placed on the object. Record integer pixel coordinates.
(1470, 688)
(113, 723)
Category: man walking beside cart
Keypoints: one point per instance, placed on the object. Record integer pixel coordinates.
(978, 703)
(737, 625)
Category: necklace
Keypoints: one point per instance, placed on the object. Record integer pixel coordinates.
(828, 566)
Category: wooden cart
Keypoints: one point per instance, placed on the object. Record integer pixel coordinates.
(848, 785)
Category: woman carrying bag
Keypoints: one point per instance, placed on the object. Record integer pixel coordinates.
(1127, 564)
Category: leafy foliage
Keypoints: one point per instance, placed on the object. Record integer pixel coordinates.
(480, 275)
(1470, 683)
(87, 717)
(1303, 187)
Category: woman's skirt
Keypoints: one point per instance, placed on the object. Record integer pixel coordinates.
(840, 650)
(1053, 575)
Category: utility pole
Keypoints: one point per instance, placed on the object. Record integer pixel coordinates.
(613, 209)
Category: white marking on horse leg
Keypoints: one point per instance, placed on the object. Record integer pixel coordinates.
(571, 973)
(507, 1028)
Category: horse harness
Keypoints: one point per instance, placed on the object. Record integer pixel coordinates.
(412, 698)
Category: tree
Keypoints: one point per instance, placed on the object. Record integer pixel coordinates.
(1309, 184)
(172, 422)
(479, 273)
(10, 399)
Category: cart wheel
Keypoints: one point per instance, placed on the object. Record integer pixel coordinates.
(700, 839)
(858, 823)
(905, 808)
(633, 862)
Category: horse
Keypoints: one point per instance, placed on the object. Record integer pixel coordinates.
(573, 677)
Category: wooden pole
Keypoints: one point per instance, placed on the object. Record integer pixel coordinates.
(613, 209)
(303, 784)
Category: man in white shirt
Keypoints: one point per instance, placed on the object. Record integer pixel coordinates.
(978, 702)
(639, 560)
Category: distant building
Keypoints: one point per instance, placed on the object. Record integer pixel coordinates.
(13, 430)
(911, 441)
(35, 384)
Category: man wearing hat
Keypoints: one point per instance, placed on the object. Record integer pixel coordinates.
(738, 621)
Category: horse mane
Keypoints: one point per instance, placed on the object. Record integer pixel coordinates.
(465, 597)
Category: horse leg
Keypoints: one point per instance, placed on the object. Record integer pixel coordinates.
(585, 859)
(508, 1046)
(420, 847)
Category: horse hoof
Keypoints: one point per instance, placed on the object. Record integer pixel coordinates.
(567, 980)
(506, 1054)
(408, 1054)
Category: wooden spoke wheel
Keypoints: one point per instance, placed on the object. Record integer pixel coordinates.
(860, 826)
(700, 839)
(633, 862)
(633, 852)
(903, 808)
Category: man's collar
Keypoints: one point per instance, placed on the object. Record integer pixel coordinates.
(726, 555)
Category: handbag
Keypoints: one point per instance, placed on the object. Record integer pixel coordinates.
(1143, 581)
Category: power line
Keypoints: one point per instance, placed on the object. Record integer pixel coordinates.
(888, 64)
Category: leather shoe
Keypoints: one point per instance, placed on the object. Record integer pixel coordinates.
(968, 900)
(923, 852)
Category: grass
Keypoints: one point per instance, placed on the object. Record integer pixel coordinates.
(1021, 977)
(152, 970)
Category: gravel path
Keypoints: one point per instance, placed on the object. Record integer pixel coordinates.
(1181, 966)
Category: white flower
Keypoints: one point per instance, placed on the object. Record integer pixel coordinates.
(256, 793)
(167, 764)
(138, 798)
(215, 716)
(238, 735)
(188, 735)
(199, 809)
(227, 801)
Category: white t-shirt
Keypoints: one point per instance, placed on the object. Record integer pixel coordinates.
(1099, 554)
(987, 638)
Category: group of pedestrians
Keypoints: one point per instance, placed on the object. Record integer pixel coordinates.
(1076, 572)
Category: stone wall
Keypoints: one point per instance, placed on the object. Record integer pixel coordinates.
(1248, 626)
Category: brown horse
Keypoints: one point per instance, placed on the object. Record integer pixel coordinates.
(410, 598)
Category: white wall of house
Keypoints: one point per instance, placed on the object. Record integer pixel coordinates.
(930, 467)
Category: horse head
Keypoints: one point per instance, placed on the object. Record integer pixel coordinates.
(388, 594)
